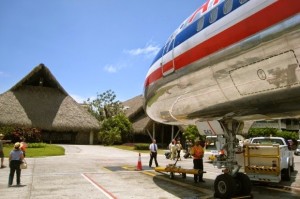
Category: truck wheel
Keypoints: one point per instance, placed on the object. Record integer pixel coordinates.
(286, 174)
(224, 186)
(243, 183)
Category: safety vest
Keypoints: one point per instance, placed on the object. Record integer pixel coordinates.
(197, 152)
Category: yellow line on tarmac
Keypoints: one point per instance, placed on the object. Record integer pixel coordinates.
(149, 173)
(188, 186)
(286, 189)
(106, 169)
(277, 189)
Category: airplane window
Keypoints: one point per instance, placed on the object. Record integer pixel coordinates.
(227, 6)
(183, 25)
(166, 48)
(213, 15)
(200, 24)
(243, 1)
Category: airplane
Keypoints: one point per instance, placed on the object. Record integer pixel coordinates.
(229, 62)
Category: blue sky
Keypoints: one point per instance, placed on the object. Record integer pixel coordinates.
(90, 46)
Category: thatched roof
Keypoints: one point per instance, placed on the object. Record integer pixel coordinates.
(136, 114)
(133, 106)
(39, 101)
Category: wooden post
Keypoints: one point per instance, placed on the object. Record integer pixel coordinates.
(153, 130)
(172, 133)
(91, 138)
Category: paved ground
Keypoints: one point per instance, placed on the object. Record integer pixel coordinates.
(105, 172)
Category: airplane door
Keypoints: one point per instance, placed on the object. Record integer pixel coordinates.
(167, 60)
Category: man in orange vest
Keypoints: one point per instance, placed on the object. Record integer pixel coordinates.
(197, 152)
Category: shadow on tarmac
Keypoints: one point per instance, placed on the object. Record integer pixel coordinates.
(184, 187)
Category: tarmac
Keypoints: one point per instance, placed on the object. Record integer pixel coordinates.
(85, 171)
(100, 172)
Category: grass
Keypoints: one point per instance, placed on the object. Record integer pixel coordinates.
(37, 150)
(41, 149)
(131, 148)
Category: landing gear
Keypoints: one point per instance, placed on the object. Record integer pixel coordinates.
(232, 182)
(224, 186)
(227, 186)
(243, 183)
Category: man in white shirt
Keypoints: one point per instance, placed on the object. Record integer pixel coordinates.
(153, 153)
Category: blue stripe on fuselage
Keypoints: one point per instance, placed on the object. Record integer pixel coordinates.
(191, 29)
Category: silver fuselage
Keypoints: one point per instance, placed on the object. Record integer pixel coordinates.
(256, 78)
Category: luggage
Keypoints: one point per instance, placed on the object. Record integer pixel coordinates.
(186, 155)
(168, 155)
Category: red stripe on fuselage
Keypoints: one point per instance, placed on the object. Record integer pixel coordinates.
(261, 20)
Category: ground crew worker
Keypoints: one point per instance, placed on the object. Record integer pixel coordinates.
(197, 152)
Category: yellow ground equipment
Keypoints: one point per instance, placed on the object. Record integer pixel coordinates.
(262, 162)
(172, 168)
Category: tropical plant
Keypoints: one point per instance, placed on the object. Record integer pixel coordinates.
(192, 133)
(115, 126)
(105, 105)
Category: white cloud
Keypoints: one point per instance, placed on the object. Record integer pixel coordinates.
(148, 50)
(111, 68)
(115, 68)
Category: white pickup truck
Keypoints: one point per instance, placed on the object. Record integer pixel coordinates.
(268, 159)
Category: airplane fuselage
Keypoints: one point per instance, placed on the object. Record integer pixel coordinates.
(230, 58)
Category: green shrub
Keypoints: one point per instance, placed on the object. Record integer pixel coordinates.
(141, 146)
(36, 145)
(287, 135)
(266, 132)
(110, 136)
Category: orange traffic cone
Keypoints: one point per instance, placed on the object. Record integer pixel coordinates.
(139, 164)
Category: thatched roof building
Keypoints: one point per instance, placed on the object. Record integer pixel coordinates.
(136, 114)
(144, 128)
(39, 101)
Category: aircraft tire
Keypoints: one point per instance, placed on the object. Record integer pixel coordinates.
(244, 185)
(224, 186)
